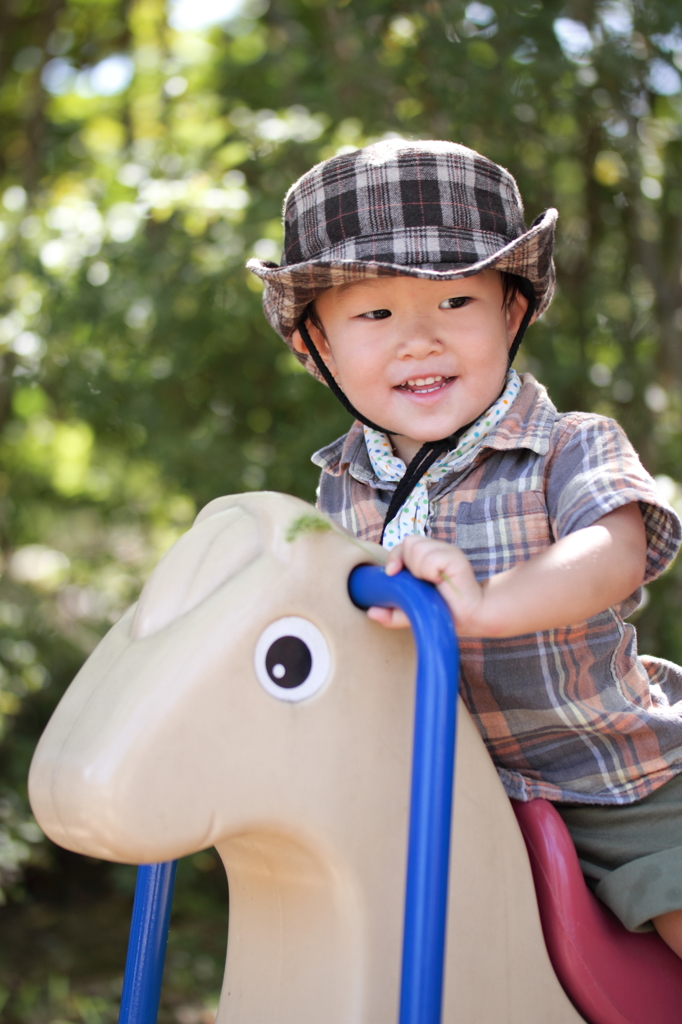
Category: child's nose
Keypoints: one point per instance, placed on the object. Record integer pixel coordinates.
(419, 338)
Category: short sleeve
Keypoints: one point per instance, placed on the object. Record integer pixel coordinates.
(595, 471)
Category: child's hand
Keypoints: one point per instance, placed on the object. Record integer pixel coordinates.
(446, 566)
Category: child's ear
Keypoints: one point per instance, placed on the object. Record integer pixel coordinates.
(515, 313)
(320, 343)
(298, 343)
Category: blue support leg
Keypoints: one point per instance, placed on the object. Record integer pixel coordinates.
(147, 943)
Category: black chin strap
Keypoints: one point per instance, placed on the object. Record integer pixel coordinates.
(431, 450)
(420, 464)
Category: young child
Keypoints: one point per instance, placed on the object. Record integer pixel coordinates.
(407, 281)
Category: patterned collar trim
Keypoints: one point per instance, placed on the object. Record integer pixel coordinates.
(528, 424)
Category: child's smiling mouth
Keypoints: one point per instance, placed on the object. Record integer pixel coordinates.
(425, 385)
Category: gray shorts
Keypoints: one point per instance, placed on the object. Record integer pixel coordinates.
(631, 854)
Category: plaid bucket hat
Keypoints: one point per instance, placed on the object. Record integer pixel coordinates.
(432, 210)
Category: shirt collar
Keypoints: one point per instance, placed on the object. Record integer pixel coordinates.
(528, 424)
(348, 454)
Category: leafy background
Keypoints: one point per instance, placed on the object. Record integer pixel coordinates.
(144, 153)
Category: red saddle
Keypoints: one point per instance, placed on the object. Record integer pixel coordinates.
(611, 975)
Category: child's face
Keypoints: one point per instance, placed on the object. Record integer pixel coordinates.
(422, 358)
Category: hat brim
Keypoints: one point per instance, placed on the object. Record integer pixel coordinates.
(290, 288)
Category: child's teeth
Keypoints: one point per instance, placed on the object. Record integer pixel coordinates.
(421, 382)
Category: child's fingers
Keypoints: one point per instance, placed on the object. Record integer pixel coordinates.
(430, 560)
(438, 565)
(448, 568)
(391, 618)
(395, 562)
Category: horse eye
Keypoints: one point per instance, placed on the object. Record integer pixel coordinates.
(292, 659)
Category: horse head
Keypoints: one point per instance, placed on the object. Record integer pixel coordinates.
(246, 703)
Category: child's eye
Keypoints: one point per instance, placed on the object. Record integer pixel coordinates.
(456, 303)
(376, 314)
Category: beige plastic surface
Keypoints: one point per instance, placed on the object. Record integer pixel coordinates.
(166, 743)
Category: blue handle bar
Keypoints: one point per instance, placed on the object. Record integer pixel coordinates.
(433, 757)
(435, 725)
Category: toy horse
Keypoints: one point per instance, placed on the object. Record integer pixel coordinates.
(186, 729)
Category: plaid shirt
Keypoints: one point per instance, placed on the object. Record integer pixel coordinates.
(571, 714)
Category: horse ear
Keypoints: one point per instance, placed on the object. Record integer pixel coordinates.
(220, 505)
(216, 549)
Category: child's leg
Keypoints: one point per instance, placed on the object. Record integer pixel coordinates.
(631, 856)
(669, 927)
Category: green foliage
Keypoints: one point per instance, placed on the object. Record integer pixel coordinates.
(141, 164)
(312, 523)
(307, 524)
(62, 955)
